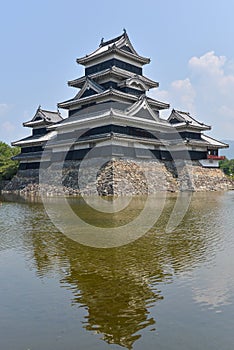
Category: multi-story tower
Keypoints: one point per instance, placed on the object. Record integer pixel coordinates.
(33, 146)
(113, 113)
(113, 116)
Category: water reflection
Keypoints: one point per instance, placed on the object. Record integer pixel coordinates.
(118, 286)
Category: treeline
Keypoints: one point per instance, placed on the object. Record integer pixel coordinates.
(227, 166)
(8, 167)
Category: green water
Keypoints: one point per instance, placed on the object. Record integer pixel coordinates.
(166, 291)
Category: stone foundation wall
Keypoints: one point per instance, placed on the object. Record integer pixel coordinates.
(3, 184)
(120, 177)
(209, 179)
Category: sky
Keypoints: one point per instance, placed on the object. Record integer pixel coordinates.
(190, 44)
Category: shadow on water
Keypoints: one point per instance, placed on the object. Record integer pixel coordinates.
(118, 286)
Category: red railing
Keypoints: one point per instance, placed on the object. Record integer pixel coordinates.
(210, 156)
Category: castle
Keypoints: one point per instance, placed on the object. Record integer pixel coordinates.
(112, 116)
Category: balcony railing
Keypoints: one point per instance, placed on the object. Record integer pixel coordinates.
(211, 156)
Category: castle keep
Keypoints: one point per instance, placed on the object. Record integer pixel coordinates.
(112, 115)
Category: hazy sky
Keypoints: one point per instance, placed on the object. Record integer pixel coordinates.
(190, 44)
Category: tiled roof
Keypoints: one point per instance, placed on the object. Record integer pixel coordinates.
(214, 142)
(53, 117)
(89, 84)
(143, 108)
(103, 95)
(121, 73)
(184, 118)
(43, 115)
(113, 93)
(34, 139)
(120, 44)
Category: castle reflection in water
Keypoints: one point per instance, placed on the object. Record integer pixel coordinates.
(119, 286)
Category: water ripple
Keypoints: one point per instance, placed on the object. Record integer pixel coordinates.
(118, 288)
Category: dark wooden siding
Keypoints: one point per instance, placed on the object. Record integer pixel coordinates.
(106, 151)
(26, 166)
(125, 89)
(125, 130)
(88, 92)
(40, 131)
(183, 155)
(132, 91)
(31, 149)
(110, 63)
(34, 165)
(190, 135)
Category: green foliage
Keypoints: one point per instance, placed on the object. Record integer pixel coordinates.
(8, 167)
(227, 166)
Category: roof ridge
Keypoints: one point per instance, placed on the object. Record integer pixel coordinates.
(115, 70)
(114, 45)
(183, 112)
(46, 110)
(197, 121)
(111, 41)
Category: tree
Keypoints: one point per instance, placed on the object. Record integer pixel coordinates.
(8, 167)
(227, 166)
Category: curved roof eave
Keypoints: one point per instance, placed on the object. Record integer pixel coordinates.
(94, 56)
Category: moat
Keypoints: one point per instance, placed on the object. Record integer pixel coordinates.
(165, 290)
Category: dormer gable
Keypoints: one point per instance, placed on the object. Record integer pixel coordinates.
(39, 115)
(175, 117)
(122, 42)
(184, 119)
(134, 83)
(89, 88)
(142, 109)
(43, 117)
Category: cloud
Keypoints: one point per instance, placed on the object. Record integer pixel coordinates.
(214, 85)
(3, 108)
(184, 93)
(213, 295)
(207, 92)
(8, 126)
(7, 131)
(209, 71)
(209, 63)
(181, 95)
(213, 287)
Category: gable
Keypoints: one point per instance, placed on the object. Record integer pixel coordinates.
(89, 88)
(137, 84)
(142, 109)
(38, 116)
(175, 120)
(88, 92)
(126, 48)
(144, 113)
